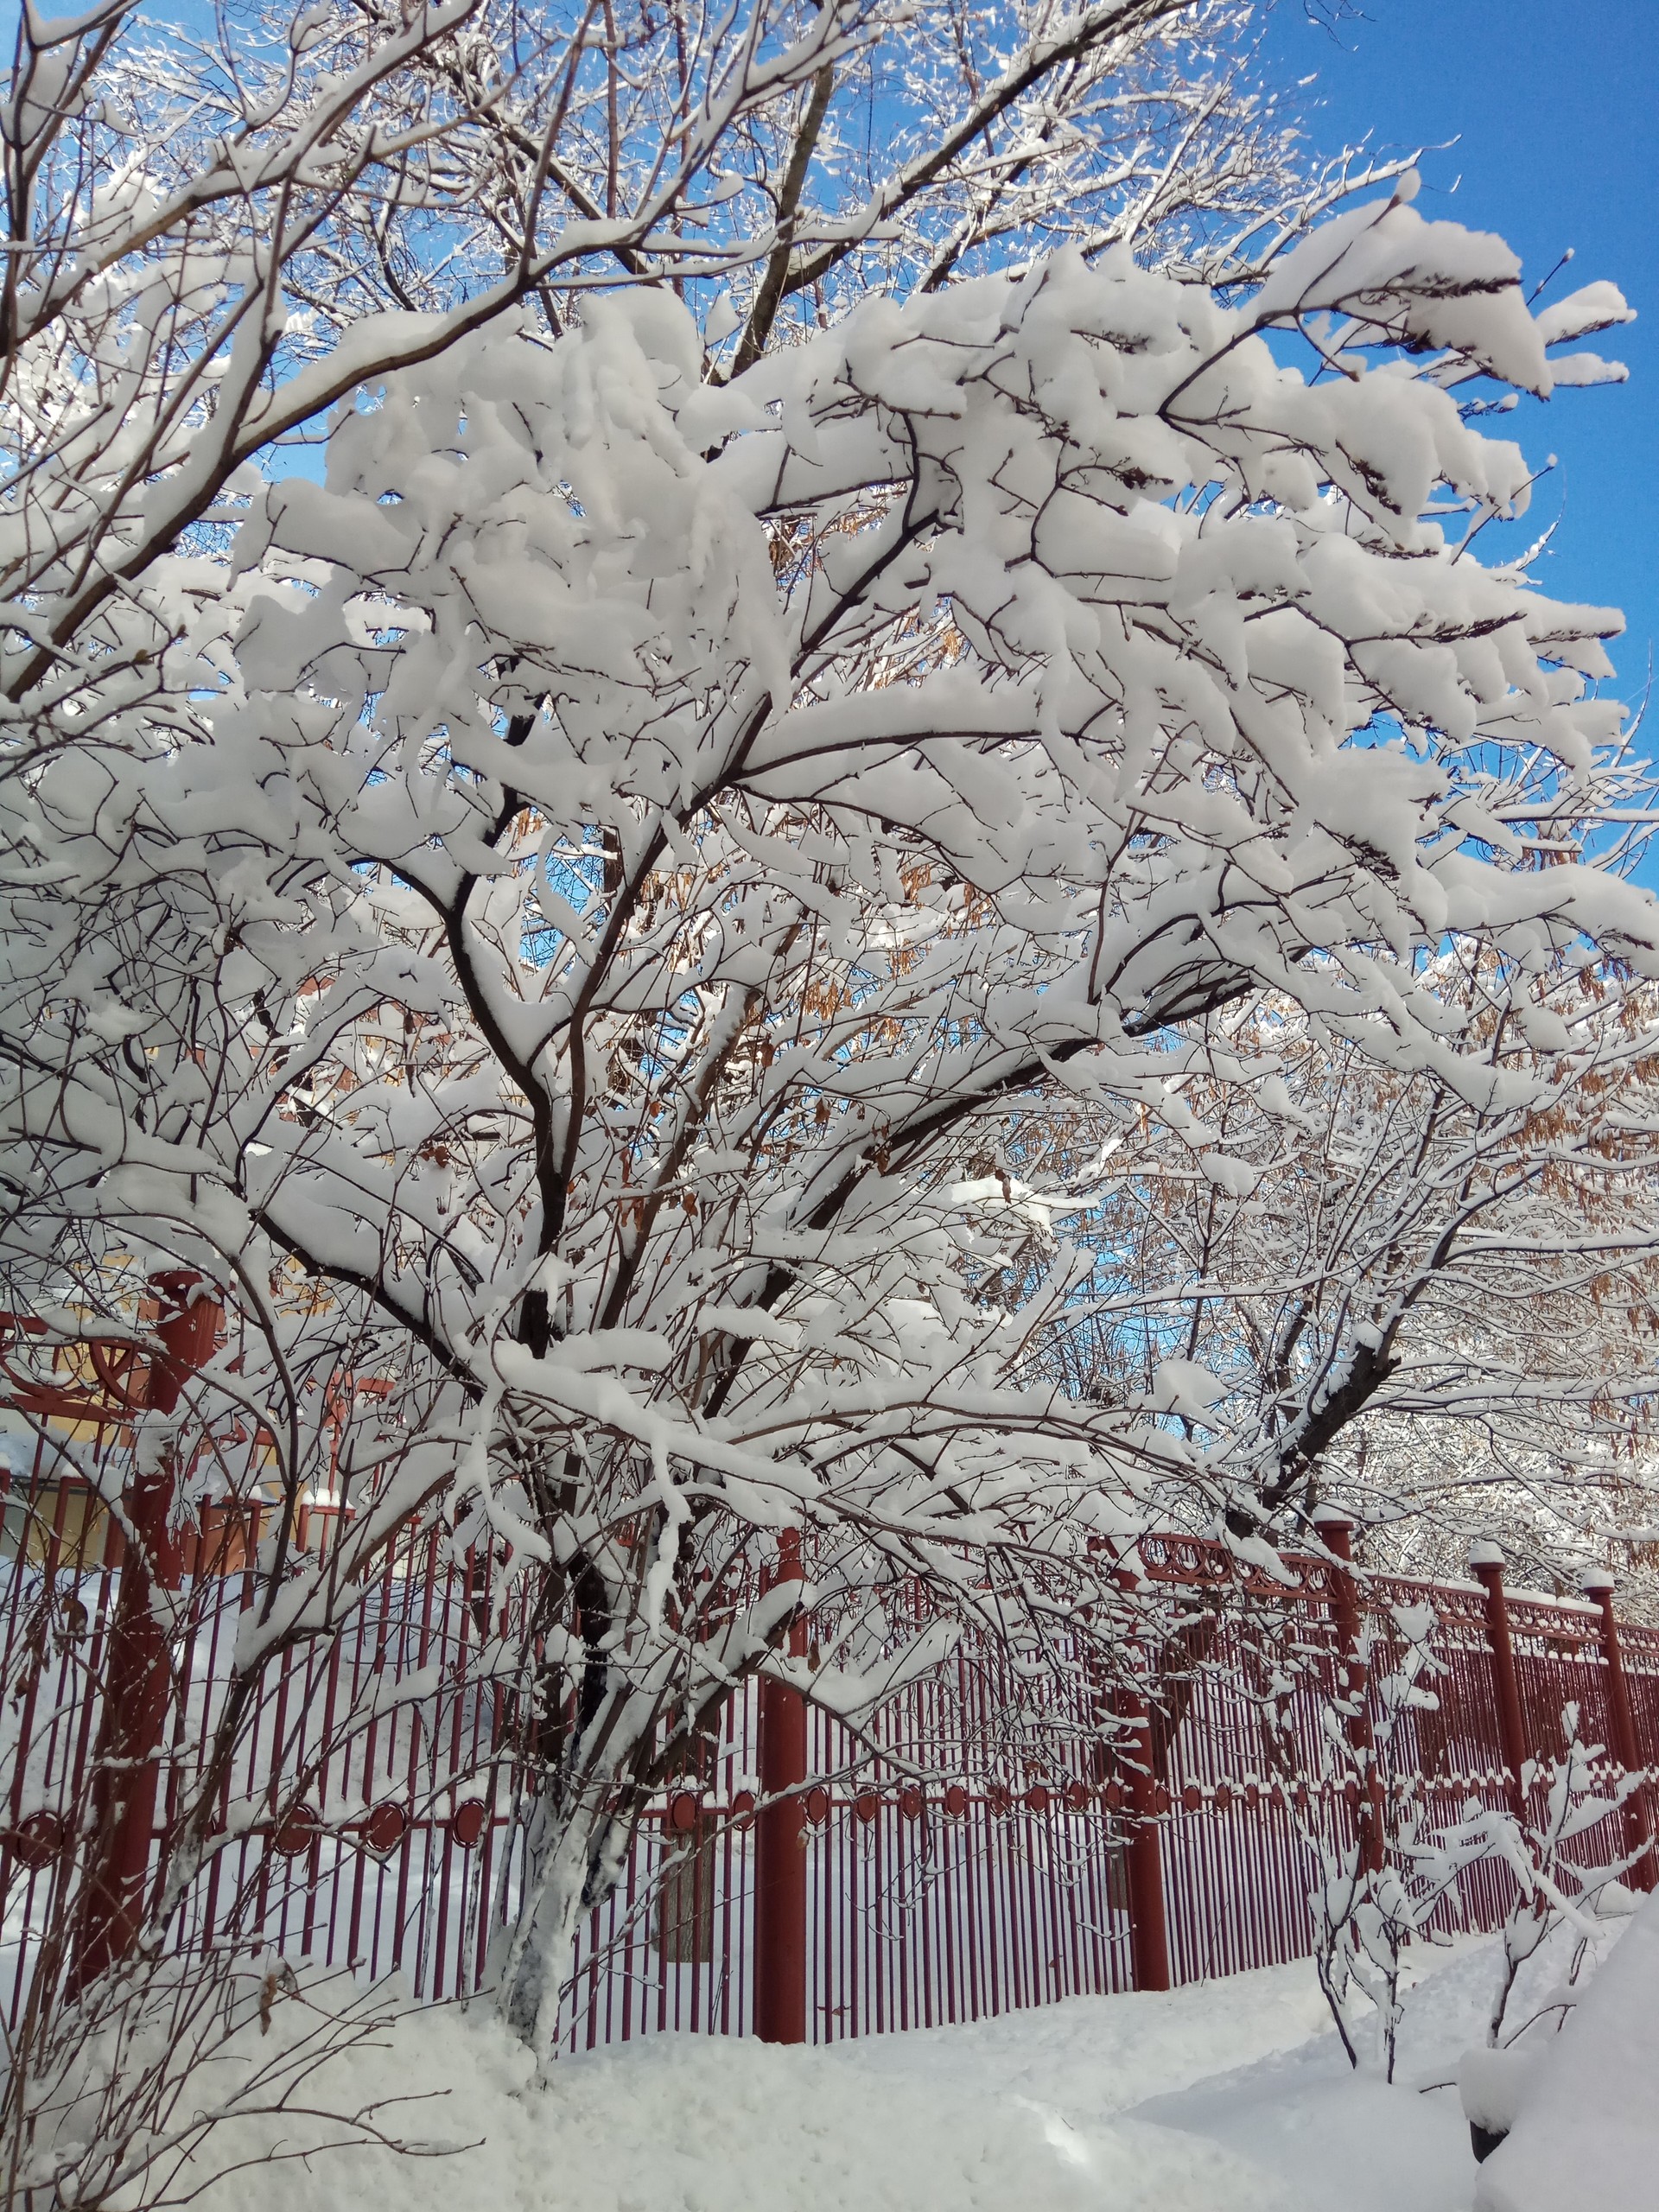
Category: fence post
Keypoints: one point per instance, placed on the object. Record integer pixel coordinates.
(781, 1841)
(1487, 1561)
(1597, 1585)
(1148, 1927)
(126, 1762)
(1336, 1532)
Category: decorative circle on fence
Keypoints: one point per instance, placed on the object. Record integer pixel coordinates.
(297, 1831)
(1224, 1797)
(37, 1839)
(1252, 1796)
(998, 1798)
(955, 1800)
(816, 1804)
(1192, 1798)
(683, 1812)
(743, 1805)
(469, 1821)
(1113, 1793)
(386, 1828)
(1077, 1797)
(866, 1805)
(1037, 1798)
(1160, 1798)
(910, 1801)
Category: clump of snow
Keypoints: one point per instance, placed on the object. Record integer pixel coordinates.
(1494, 2085)
(1237, 1178)
(1182, 1386)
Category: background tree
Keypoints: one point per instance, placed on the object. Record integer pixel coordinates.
(1435, 1309)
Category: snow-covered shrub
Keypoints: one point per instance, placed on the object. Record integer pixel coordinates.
(647, 842)
(1555, 1889)
(1386, 1861)
(163, 2056)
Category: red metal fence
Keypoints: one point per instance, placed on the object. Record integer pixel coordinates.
(1017, 1871)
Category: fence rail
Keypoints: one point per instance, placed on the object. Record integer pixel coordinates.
(1011, 1882)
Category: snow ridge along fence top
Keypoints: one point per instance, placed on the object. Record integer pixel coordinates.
(790, 1887)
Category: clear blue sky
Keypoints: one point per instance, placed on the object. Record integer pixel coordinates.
(1554, 106)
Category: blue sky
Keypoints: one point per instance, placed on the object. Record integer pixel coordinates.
(1555, 111)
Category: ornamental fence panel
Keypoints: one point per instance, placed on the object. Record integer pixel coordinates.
(1020, 1878)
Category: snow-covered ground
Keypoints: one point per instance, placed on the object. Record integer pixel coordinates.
(1228, 2097)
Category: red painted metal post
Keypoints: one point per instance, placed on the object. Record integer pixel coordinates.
(1487, 1561)
(1148, 1929)
(781, 1842)
(1148, 1925)
(1336, 1531)
(1621, 1731)
(126, 1764)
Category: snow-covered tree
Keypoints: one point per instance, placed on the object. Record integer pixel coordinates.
(627, 848)
(216, 237)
